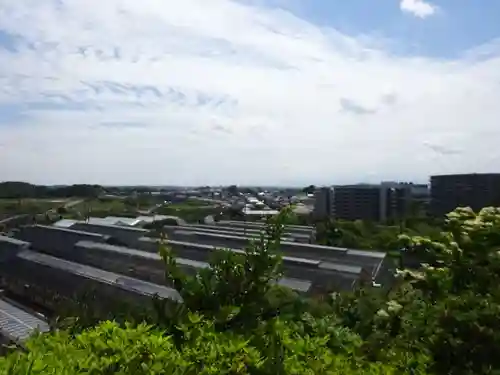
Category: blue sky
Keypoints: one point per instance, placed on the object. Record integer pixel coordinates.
(454, 27)
(247, 91)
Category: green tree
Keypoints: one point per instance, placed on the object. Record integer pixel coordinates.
(448, 310)
(309, 189)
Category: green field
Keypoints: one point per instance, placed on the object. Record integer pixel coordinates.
(191, 211)
(102, 207)
(12, 207)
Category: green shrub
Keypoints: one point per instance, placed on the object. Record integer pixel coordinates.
(111, 349)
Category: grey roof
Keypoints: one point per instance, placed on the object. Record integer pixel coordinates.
(63, 230)
(105, 225)
(131, 221)
(18, 325)
(214, 235)
(138, 253)
(366, 253)
(249, 224)
(241, 232)
(150, 219)
(237, 230)
(296, 284)
(13, 241)
(117, 249)
(340, 267)
(233, 236)
(328, 250)
(123, 282)
(299, 261)
(64, 223)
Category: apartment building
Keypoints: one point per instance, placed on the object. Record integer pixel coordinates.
(381, 202)
(323, 203)
(353, 202)
(464, 190)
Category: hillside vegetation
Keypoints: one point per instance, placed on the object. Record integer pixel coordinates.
(24, 190)
(440, 319)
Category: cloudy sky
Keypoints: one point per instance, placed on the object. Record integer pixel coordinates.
(248, 91)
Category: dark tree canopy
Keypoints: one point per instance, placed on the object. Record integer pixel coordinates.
(18, 190)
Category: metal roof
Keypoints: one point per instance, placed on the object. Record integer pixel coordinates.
(18, 325)
(296, 284)
(238, 230)
(150, 219)
(98, 220)
(257, 224)
(367, 253)
(82, 224)
(13, 241)
(233, 236)
(138, 253)
(64, 230)
(64, 223)
(340, 267)
(250, 212)
(131, 221)
(123, 282)
(300, 261)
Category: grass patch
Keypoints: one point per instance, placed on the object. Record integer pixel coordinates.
(10, 207)
(189, 213)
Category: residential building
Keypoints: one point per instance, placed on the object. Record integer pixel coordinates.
(381, 202)
(464, 190)
(323, 203)
(353, 202)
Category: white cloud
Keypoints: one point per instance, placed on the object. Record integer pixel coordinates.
(218, 92)
(418, 8)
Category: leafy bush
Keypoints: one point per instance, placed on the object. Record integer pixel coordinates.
(111, 349)
(236, 288)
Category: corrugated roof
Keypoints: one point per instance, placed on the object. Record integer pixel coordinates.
(64, 223)
(18, 325)
(250, 212)
(296, 284)
(98, 221)
(150, 219)
(13, 241)
(99, 275)
(291, 259)
(138, 253)
(222, 235)
(62, 230)
(119, 220)
(88, 227)
(340, 267)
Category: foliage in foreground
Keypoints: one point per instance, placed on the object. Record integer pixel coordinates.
(110, 349)
(440, 319)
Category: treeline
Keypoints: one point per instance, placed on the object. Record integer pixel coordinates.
(367, 235)
(23, 190)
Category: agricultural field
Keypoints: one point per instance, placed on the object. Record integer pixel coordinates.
(13, 207)
(102, 207)
(190, 210)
